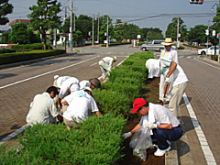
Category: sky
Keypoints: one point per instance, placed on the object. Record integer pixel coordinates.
(143, 13)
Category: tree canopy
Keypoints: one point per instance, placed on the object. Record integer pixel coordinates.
(44, 16)
(5, 9)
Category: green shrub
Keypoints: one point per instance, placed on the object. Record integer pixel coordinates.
(36, 46)
(16, 57)
(214, 57)
(96, 142)
(6, 51)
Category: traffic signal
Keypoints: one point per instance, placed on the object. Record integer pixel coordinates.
(200, 2)
(207, 32)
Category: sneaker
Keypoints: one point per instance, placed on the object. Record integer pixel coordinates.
(160, 152)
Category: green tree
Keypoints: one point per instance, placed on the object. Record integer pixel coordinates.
(197, 34)
(19, 33)
(44, 16)
(103, 27)
(5, 38)
(5, 9)
(152, 33)
(172, 29)
(118, 30)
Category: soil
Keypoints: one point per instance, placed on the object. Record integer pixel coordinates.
(150, 93)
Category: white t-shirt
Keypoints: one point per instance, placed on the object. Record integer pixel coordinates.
(153, 66)
(171, 55)
(42, 110)
(64, 84)
(108, 60)
(79, 104)
(179, 76)
(159, 114)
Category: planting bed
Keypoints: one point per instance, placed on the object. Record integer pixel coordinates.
(98, 141)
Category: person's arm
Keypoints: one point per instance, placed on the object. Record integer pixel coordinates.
(136, 128)
(172, 68)
(165, 126)
(59, 102)
(63, 101)
(98, 113)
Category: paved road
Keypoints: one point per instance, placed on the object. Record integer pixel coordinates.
(203, 93)
(20, 84)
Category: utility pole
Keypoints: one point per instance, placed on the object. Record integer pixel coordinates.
(65, 31)
(71, 26)
(74, 18)
(98, 29)
(107, 33)
(93, 30)
(177, 37)
(55, 37)
(207, 45)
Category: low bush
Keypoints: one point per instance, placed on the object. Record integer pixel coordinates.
(214, 57)
(29, 47)
(96, 142)
(2, 51)
(7, 58)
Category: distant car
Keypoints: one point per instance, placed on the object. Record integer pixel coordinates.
(154, 45)
(210, 51)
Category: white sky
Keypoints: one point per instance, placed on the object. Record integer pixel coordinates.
(144, 13)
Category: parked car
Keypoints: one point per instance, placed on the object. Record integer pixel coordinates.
(210, 51)
(154, 45)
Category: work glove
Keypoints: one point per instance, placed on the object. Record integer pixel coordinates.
(126, 135)
(167, 80)
(152, 125)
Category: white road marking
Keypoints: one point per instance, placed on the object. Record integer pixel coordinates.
(202, 139)
(208, 64)
(94, 64)
(40, 75)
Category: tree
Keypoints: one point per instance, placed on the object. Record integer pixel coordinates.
(118, 30)
(172, 29)
(5, 38)
(19, 33)
(5, 9)
(197, 34)
(152, 33)
(44, 17)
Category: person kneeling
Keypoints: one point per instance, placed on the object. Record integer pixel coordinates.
(163, 123)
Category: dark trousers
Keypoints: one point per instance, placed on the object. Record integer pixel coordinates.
(160, 136)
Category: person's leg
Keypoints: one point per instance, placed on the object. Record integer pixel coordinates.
(176, 97)
(161, 89)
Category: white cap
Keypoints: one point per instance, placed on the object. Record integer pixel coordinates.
(115, 58)
(84, 83)
(74, 87)
(56, 77)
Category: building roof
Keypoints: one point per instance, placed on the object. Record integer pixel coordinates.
(19, 20)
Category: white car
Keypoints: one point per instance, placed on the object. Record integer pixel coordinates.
(210, 51)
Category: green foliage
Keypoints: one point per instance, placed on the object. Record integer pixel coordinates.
(28, 47)
(7, 58)
(197, 34)
(2, 51)
(96, 142)
(5, 8)
(44, 16)
(19, 33)
(5, 38)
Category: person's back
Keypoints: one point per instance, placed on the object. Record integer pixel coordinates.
(79, 106)
(42, 110)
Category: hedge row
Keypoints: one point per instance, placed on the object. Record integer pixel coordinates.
(2, 51)
(98, 141)
(7, 58)
(24, 47)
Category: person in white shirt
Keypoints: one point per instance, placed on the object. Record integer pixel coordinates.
(164, 124)
(178, 81)
(106, 65)
(171, 54)
(42, 109)
(153, 66)
(66, 84)
(80, 103)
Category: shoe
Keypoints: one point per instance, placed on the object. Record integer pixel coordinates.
(160, 152)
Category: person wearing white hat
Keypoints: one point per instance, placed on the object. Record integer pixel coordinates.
(106, 65)
(166, 55)
(80, 103)
(92, 83)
